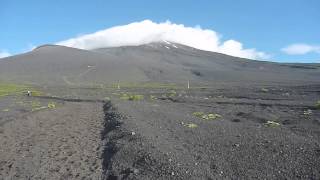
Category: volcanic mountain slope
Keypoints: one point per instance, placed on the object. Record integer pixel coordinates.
(155, 62)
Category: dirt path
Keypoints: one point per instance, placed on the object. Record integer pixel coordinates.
(62, 143)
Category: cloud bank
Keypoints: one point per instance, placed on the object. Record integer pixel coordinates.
(300, 49)
(146, 31)
(4, 53)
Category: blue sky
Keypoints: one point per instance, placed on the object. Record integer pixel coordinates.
(267, 26)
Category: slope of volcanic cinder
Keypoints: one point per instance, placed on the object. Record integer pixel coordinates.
(61, 143)
(155, 62)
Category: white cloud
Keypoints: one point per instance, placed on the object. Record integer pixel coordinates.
(4, 53)
(300, 49)
(146, 31)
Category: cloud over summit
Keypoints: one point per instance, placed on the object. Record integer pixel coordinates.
(146, 31)
(4, 54)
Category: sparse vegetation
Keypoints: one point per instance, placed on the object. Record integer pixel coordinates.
(318, 104)
(204, 116)
(272, 124)
(152, 97)
(172, 93)
(36, 93)
(6, 110)
(51, 105)
(264, 90)
(132, 97)
(8, 89)
(191, 125)
(198, 114)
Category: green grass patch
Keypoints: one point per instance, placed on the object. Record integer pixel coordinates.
(6, 110)
(9, 89)
(198, 114)
(204, 116)
(36, 93)
(131, 97)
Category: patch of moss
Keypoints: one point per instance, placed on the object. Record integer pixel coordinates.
(8, 89)
(191, 125)
(210, 116)
(36, 93)
(132, 97)
(198, 114)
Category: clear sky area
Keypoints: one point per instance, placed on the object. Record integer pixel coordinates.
(282, 31)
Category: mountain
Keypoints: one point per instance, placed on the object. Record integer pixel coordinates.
(156, 62)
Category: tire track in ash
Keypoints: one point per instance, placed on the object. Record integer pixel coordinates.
(109, 136)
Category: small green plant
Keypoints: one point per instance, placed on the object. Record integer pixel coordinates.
(318, 105)
(264, 90)
(51, 105)
(198, 114)
(204, 116)
(6, 110)
(191, 125)
(211, 116)
(272, 124)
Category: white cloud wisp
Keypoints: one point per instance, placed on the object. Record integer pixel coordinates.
(146, 31)
(301, 49)
(4, 54)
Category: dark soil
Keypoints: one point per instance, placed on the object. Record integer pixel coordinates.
(91, 138)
